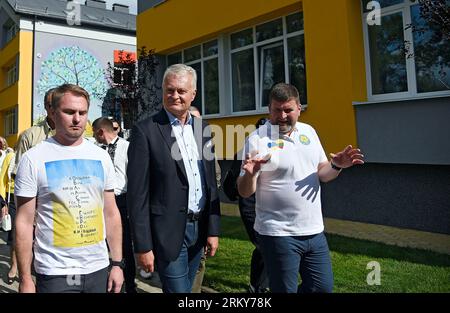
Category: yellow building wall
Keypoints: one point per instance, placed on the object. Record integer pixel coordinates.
(334, 53)
(19, 93)
(25, 79)
(8, 95)
(228, 133)
(180, 23)
(9, 52)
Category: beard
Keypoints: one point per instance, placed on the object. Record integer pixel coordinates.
(285, 128)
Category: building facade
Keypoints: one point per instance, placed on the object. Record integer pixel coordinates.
(50, 42)
(357, 87)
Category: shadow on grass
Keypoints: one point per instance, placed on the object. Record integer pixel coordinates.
(231, 286)
(233, 228)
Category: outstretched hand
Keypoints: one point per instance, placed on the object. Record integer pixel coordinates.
(347, 157)
(253, 162)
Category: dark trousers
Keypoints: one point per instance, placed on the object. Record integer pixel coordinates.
(96, 282)
(127, 245)
(12, 212)
(259, 280)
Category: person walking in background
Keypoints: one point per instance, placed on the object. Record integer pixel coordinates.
(172, 192)
(117, 148)
(116, 126)
(259, 281)
(7, 193)
(36, 134)
(69, 182)
(284, 163)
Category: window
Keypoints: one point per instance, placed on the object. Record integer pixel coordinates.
(11, 76)
(249, 62)
(204, 59)
(391, 73)
(265, 55)
(10, 121)
(10, 30)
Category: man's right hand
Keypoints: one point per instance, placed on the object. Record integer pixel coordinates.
(252, 163)
(146, 261)
(27, 285)
(4, 211)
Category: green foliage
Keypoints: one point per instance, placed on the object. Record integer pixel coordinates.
(138, 92)
(402, 269)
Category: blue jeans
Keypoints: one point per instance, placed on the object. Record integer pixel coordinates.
(287, 256)
(178, 276)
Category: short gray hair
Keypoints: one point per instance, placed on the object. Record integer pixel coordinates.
(180, 69)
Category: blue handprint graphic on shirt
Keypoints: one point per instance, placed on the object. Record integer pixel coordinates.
(312, 186)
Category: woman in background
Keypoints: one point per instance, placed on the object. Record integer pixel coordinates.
(7, 193)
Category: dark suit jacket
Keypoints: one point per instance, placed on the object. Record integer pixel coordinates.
(157, 193)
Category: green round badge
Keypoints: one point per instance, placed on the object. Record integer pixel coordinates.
(304, 140)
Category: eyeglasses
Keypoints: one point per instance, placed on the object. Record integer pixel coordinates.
(115, 128)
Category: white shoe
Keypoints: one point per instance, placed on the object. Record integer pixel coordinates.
(145, 274)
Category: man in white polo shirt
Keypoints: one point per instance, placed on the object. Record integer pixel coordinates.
(284, 163)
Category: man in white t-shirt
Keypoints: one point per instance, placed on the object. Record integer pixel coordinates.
(69, 182)
(117, 147)
(284, 163)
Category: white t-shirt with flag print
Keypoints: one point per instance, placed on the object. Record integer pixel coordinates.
(68, 183)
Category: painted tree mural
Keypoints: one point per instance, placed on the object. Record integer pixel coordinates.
(73, 65)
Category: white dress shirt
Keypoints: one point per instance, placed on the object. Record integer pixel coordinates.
(120, 165)
(184, 135)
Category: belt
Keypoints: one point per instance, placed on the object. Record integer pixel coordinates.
(191, 216)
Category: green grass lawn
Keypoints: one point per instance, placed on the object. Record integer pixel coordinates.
(402, 269)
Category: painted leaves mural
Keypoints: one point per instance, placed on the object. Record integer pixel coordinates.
(75, 66)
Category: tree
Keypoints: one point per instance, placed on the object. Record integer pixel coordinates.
(133, 87)
(431, 36)
(437, 14)
(73, 65)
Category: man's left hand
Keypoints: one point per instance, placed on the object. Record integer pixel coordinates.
(347, 157)
(115, 279)
(212, 243)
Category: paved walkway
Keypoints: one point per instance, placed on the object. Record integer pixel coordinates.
(151, 285)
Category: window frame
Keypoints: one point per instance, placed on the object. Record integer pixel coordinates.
(201, 60)
(10, 121)
(10, 31)
(11, 75)
(261, 68)
(259, 107)
(410, 64)
(224, 59)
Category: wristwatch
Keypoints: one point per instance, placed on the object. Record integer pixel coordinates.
(335, 167)
(120, 263)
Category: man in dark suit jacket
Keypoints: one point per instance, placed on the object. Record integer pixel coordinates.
(172, 194)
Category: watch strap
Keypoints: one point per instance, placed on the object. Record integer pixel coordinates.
(120, 263)
(335, 167)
